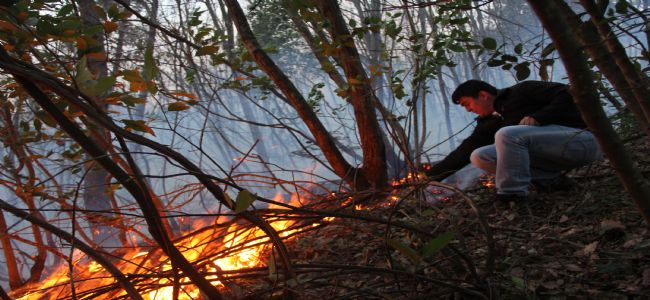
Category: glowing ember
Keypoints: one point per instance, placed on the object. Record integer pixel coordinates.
(409, 178)
(487, 180)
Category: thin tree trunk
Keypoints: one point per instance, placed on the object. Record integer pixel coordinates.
(13, 273)
(445, 102)
(636, 80)
(594, 45)
(328, 67)
(325, 141)
(586, 98)
(97, 194)
(374, 152)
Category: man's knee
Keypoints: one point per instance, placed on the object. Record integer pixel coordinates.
(481, 158)
(511, 134)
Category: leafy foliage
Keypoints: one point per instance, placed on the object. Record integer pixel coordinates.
(272, 25)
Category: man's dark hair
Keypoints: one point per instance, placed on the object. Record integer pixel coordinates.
(471, 88)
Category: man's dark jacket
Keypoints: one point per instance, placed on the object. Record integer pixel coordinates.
(547, 102)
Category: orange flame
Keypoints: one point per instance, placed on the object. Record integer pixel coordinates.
(248, 246)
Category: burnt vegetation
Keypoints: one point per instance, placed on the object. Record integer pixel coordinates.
(215, 150)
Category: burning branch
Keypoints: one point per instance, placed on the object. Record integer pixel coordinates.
(94, 254)
(140, 193)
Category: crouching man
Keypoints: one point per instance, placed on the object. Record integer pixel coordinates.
(527, 133)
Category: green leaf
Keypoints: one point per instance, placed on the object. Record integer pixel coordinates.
(543, 68)
(138, 125)
(87, 84)
(207, 50)
(494, 62)
(92, 30)
(437, 244)
(621, 6)
(83, 74)
(38, 124)
(519, 282)
(391, 29)
(45, 26)
(113, 12)
(131, 101)
(103, 85)
(548, 50)
(177, 106)
(456, 48)
(244, 200)
(124, 15)
(150, 70)
(459, 21)
(489, 43)
(152, 87)
(65, 10)
(522, 70)
(100, 12)
(510, 58)
(519, 48)
(407, 251)
(132, 76)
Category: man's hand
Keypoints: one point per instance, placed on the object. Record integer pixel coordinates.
(529, 121)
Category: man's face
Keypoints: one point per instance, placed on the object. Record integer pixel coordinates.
(481, 105)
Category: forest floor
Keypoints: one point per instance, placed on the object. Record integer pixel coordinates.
(590, 242)
(586, 243)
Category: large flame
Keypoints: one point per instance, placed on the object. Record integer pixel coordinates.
(240, 246)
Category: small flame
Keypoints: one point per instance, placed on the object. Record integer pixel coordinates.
(487, 181)
(409, 178)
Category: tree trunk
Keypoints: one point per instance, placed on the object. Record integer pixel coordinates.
(587, 100)
(447, 109)
(377, 82)
(97, 195)
(635, 80)
(600, 56)
(374, 152)
(324, 140)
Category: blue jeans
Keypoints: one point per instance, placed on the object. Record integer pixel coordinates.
(522, 153)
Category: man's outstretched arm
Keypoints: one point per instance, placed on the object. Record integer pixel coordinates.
(482, 135)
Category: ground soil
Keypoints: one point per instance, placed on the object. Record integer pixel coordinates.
(586, 243)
